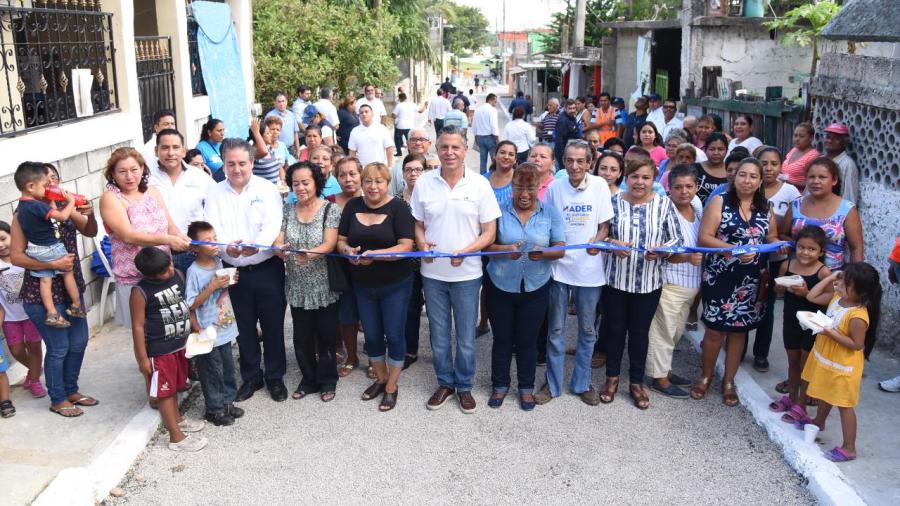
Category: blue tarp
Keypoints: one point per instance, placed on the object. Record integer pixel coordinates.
(220, 58)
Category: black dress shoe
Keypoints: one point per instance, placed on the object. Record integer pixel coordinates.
(234, 411)
(247, 390)
(278, 391)
(219, 419)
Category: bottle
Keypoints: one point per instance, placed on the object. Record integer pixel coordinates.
(55, 194)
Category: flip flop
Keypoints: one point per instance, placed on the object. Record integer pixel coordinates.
(837, 454)
(782, 387)
(794, 414)
(781, 405)
(345, 370)
(76, 412)
(85, 400)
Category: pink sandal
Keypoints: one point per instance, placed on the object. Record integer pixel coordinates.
(795, 413)
(781, 405)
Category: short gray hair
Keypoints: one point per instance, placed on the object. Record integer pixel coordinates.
(553, 100)
(677, 133)
(325, 93)
(233, 143)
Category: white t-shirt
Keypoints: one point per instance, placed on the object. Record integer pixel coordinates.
(369, 142)
(378, 110)
(751, 143)
(405, 113)
(149, 152)
(780, 203)
(453, 218)
(328, 109)
(10, 285)
(438, 108)
(327, 132)
(520, 133)
(583, 211)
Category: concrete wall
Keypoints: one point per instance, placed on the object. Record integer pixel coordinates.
(625, 81)
(864, 92)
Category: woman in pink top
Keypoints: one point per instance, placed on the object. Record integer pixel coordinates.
(134, 216)
(800, 156)
(541, 154)
(648, 138)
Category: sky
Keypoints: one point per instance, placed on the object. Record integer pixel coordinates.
(520, 14)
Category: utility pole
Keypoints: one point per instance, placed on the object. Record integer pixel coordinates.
(575, 70)
(503, 48)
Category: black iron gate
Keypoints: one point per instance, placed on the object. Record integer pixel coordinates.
(156, 78)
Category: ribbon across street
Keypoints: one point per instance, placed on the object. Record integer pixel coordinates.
(602, 245)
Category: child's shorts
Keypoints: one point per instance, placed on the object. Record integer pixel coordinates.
(795, 338)
(170, 375)
(4, 365)
(46, 254)
(19, 332)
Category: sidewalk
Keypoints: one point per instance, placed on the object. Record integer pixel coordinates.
(874, 475)
(35, 445)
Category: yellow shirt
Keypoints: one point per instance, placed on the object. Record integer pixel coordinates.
(834, 372)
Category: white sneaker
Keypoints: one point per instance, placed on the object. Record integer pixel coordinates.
(188, 425)
(892, 385)
(189, 444)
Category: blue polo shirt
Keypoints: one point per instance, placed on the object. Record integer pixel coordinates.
(545, 226)
(288, 125)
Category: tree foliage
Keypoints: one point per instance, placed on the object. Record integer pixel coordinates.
(468, 30)
(802, 25)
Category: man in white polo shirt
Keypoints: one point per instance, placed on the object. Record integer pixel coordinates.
(486, 130)
(162, 120)
(247, 209)
(455, 211)
(370, 141)
(182, 186)
(584, 201)
(379, 113)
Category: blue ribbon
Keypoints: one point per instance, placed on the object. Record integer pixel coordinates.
(604, 246)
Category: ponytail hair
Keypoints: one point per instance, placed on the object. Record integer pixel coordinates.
(864, 280)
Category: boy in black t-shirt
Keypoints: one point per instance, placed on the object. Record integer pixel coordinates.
(35, 215)
(160, 325)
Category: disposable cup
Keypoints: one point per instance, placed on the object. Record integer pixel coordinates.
(810, 431)
(230, 272)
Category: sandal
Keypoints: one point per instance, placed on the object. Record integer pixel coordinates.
(639, 395)
(797, 412)
(7, 409)
(84, 400)
(67, 411)
(698, 391)
(76, 312)
(781, 405)
(327, 396)
(729, 395)
(346, 369)
(56, 321)
(374, 390)
(783, 387)
(299, 393)
(609, 390)
(838, 454)
(496, 399)
(388, 401)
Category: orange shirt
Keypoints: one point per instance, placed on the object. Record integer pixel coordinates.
(895, 253)
(606, 131)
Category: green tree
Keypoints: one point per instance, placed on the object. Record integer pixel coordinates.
(320, 42)
(468, 30)
(605, 11)
(802, 26)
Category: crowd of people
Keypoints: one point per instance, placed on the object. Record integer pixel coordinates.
(602, 214)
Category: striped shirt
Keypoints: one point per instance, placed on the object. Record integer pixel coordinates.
(649, 225)
(687, 274)
(548, 126)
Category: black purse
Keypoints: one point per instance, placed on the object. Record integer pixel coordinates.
(338, 278)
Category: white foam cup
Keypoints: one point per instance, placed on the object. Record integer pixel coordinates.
(810, 431)
(230, 272)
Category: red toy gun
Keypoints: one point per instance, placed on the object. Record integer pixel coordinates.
(55, 194)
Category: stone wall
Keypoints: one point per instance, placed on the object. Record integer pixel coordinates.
(864, 92)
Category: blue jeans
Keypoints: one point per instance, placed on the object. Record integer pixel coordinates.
(65, 350)
(486, 146)
(459, 300)
(217, 378)
(382, 311)
(586, 298)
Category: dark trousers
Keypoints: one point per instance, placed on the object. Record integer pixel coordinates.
(399, 136)
(438, 125)
(522, 157)
(259, 297)
(414, 314)
(542, 333)
(630, 314)
(217, 378)
(515, 322)
(763, 337)
(311, 327)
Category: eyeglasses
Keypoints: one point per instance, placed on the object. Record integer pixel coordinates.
(419, 139)
(413, 170)
(668, 107)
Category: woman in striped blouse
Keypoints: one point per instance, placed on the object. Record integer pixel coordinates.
(641, 219)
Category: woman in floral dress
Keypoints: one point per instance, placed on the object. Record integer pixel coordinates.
(732, 300)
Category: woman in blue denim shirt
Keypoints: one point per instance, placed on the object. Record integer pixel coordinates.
(519, 287)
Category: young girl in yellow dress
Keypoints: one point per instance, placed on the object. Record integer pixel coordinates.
(833, 372)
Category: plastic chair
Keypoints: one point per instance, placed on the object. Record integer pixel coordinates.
(107, 281)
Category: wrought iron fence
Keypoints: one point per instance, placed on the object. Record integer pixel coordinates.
(43, 45)
(156, 78)
(197, 85)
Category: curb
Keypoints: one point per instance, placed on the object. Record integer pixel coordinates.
(825, 479)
